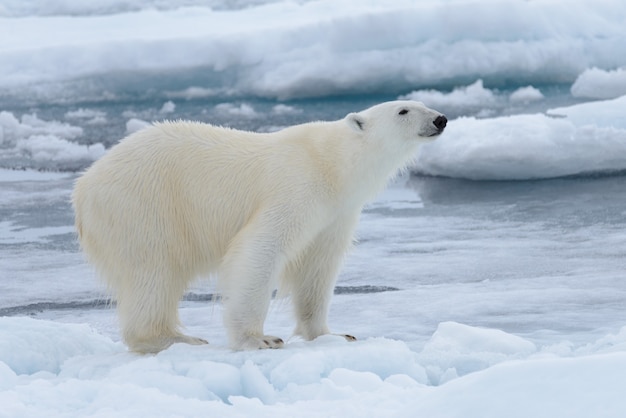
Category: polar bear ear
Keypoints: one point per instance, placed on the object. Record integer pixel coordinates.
(356, 122)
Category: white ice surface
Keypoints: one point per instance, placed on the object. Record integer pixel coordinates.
(53, 369)
(45, 144)
(581, 139)
(296, 49)
(474, 97)
(595, 83)
(526, 94)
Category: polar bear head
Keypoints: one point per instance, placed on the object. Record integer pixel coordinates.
(401, 120)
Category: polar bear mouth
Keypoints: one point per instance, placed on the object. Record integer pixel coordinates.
(433, 134)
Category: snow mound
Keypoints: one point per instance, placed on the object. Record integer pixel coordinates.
(583, 139)
(34, 143)
(30, 346)
(475, 96)
(595, 83)
(134, 125)
(563, 387)
(244, 109)
(474, 99)
(286, 49)
(526, 95)
(456, 350)
(52, 369)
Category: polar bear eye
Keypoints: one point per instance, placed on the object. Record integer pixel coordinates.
(403, 112)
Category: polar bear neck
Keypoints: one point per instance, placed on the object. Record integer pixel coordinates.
(362, 166)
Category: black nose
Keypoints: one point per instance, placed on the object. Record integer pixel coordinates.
(440, 122)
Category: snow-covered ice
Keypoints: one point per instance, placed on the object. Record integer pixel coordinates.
(474, 97)
(526, 94)
(53, 369)
(309, 48)
(595, 83)
(487, 284)
(35, 143)
(589, 138)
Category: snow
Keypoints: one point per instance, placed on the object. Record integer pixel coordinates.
(279, 48)
(168, 107)
(526, 94)
(15, 8)
(35, 143)
(595, 83)
(244, 109)
(474, 99)
(281, 109)
(581, 139)
(474, 96)
(579, 387)
(82, 113)
(57, 369)
(134, 125)
(495, 64)
(192, 92)
(456, 350)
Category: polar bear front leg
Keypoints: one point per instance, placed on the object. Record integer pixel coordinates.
(313, 277)
(247, 277)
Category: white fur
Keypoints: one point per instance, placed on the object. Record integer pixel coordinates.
(180, 200)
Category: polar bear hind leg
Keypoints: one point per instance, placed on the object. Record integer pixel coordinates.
(148, 310)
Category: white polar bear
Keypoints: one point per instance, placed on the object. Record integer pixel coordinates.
(179, 200)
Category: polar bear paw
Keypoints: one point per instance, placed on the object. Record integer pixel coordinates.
(272, 342)
(192, 340)
(261, 342)
(154, 345)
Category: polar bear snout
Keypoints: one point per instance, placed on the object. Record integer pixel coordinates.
(436, 127)
(440, 122)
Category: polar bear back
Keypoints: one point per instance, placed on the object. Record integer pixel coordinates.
(208, 182)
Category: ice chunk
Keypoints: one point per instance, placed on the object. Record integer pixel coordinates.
(134, 125)
(591, 138)
(595, 83)
(526, 95)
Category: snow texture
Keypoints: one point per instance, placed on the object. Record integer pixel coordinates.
(582, 139)
(595, 83)
(53, 369)
(311, 48)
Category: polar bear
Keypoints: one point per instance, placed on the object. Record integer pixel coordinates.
(261, 211)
